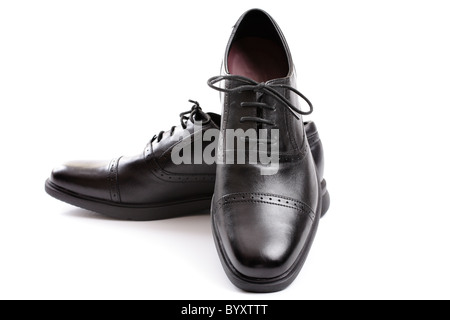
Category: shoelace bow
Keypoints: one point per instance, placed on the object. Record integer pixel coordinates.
(194, 114)
(263, 88)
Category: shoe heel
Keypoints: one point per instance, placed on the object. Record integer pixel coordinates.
(325, 198)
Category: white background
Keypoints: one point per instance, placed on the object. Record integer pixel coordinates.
(97, 79)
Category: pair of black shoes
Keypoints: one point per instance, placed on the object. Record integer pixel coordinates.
(258, 168)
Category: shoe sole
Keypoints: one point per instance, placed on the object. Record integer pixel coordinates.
(281, 282)
(119, 211)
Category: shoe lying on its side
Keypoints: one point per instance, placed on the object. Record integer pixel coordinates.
(148, 186)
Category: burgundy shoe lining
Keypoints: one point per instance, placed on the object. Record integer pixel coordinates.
(258, 59)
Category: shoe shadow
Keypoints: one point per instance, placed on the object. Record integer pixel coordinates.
(198, 225)
(86, 214)
(189, 238)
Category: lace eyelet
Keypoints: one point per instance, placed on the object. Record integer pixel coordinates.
(244, 84)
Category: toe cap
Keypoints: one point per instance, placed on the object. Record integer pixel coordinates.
(87, 178)
(262, 240)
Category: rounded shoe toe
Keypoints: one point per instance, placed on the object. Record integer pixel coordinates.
(262, 241)
(261, 262)
(86, 178)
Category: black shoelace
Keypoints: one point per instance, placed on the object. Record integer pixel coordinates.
(196, 113)
(263, 88)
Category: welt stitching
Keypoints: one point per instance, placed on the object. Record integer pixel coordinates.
(310, 214)
(262, 194)
(259, 201)
(267, 195)
(312, 135)
(314, 138)
(114, 191)
(313, 143)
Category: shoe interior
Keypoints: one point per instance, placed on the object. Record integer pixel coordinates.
(257, 51)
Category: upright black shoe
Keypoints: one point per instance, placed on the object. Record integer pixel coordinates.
(149, 186)
(264, 216)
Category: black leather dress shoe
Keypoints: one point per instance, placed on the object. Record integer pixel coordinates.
(264, 218)
(145, 187)
(148, 186)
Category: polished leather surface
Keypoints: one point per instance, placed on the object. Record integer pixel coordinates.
(149, 178)
(263, 224)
